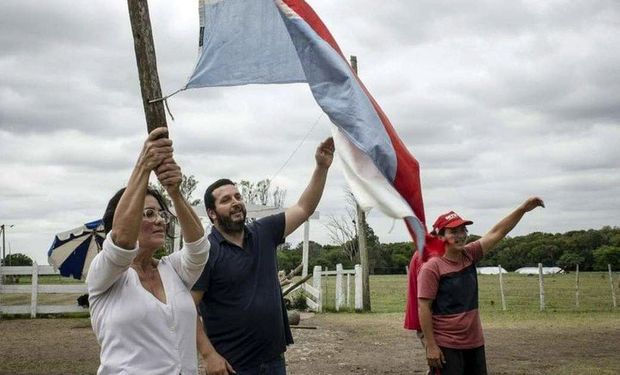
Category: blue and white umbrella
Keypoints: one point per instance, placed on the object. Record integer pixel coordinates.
(73, 250)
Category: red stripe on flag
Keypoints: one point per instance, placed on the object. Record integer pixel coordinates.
(407, 179)
(305, 11)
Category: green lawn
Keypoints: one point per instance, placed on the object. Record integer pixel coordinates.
(388, 293)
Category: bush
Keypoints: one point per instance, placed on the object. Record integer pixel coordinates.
(17, 259)
(299, 302)
(605, 255)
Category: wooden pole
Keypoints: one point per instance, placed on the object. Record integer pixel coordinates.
(3, 244)
(359, 303)
(611, 282)
(361, 238)
(541, 287)
(147, 63)
(34, 296)
(501, 287)
(316, 282)
(296, 284)
(306, 248)
(339, 287)
(577, 286)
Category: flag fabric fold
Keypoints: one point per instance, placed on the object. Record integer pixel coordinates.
(284, 41)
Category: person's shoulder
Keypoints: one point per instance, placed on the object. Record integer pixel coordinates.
(431, 264)
(268, 222)
(270, 218)
(473, 248)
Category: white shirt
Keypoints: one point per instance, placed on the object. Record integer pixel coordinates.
(138, 333)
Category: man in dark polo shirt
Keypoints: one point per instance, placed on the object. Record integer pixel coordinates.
(239, 292)
(448, 294)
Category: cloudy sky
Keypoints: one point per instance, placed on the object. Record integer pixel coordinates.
(498, 100)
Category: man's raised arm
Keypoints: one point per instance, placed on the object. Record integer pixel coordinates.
(501, 229)
(309, 200)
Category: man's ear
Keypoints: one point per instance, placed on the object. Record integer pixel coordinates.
(211, 214)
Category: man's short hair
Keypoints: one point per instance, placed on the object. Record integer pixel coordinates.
(209, 198)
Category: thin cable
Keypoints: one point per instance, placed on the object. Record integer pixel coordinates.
(297, 148)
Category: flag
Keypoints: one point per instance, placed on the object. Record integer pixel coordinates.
(434, 247)
(284, 41)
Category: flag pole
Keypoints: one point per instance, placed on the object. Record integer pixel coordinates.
(147, 63)
(361, 237)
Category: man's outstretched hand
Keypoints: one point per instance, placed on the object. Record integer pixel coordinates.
(325, 153)
(531, 203)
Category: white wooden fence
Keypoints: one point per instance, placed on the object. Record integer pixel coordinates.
(35, 289)
(315, 298)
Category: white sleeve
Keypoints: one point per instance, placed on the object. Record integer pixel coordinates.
(108, 266)
(190, 261)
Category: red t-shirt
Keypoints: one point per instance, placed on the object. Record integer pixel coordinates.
(453, 287)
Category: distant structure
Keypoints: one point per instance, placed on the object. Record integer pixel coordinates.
(493, 270)
(534, 270)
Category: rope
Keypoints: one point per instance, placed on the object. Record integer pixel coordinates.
(165, 100)
(296, 148)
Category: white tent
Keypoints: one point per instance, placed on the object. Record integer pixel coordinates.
(534, 270)
(493, 270)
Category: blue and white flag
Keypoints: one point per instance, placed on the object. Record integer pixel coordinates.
(284, 41)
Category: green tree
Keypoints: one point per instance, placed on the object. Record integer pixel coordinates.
(17, 259)
(569, 260)
(605, 255)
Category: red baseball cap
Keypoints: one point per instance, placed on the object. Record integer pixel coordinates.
(450, 220)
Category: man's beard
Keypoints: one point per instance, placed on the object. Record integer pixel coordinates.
(227, 225)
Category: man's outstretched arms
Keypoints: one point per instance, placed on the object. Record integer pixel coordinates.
(502, 228)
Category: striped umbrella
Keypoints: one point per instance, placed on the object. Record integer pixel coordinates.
(73, 250)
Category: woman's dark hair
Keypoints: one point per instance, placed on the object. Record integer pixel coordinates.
(108, 216)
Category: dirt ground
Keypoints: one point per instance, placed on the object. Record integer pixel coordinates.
(341, 344)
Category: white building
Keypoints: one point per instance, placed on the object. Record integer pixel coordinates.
(493, 270)
(534, 270)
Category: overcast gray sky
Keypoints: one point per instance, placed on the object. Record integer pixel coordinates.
(498, 100)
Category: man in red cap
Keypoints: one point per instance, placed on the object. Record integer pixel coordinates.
(448, 293)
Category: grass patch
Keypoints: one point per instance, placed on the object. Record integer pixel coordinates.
(388, 293)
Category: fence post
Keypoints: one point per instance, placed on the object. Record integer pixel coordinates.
(407, 270)
(577, 286)
(348, 290)
(611, 282)
(501, 287)
(339, 291)
(541, 287)
(305, 249)
(316, 282)
(35, 290)
(359, 302)
(1, 280)
(324, 296)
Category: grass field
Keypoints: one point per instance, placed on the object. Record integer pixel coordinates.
(388, 293)
(522, 340)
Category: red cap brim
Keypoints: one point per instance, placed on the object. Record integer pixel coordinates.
(458, 223)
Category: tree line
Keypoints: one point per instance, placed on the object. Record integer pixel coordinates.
(592, 249)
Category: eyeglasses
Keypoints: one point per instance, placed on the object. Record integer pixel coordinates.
(151, 215)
